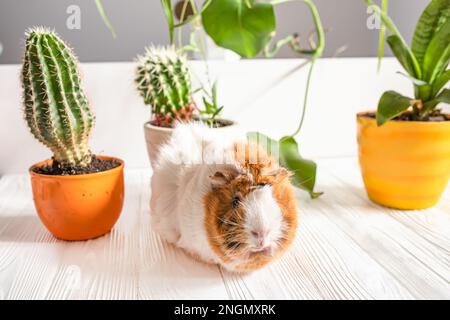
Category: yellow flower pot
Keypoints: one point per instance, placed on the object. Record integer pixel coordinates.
(404, 164)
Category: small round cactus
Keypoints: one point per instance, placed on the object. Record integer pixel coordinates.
(162, 79)
(56, 109)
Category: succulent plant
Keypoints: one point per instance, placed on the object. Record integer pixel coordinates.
(56, 109)
(162, 79)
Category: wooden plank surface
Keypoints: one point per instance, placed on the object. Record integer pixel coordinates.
(346, 248)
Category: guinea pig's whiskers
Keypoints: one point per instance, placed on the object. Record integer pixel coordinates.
(229, 222)
(234, 252)
(226, 235)
(234, 233)
(280, 241)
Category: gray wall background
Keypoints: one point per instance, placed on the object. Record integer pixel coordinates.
(141, 22)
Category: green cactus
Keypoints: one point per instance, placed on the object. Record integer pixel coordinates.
(162, 79)
(56, 109)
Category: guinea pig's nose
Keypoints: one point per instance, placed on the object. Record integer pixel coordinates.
(260, 235)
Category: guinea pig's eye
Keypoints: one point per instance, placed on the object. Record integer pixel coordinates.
(236, 201)
(262, 184)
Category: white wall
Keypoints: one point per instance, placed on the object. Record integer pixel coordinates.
(264, 95)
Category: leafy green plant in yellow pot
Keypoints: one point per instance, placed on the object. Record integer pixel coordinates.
(404, 148)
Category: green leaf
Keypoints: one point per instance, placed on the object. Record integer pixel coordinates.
(168, 12)
(208, 106)
(233, 25)
(440, 82)
(304, 170)
(444, 96)
(287, 150)
(214, 93)
(402, 53)
(417, 82)
(391, 105)
(423, 90)
(437, 56)
(217, 112)
(431, 20)
(392, 28)
(428, 107)
(102, 12)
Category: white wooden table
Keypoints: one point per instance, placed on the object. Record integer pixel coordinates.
(346, 248)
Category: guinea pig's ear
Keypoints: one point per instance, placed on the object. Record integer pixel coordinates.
(220, 178)
(276, 171)
(283, 173)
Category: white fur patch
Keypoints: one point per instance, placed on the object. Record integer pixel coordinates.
(180, 182)
(263, 219)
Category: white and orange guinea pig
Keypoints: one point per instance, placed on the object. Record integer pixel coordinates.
(210, 198)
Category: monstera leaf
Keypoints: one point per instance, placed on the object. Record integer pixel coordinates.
(287, 150)
(243, 26)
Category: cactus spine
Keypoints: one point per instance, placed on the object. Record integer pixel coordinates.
(162, 79)
(56, 109)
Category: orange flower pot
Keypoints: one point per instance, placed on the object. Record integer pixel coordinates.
(404, 164)
(78, 207)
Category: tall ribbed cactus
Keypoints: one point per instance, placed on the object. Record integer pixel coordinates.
(162, 79)
(56, 108)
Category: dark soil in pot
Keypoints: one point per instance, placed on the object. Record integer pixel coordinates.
(97, 165)
(409, 116)
(220, 123)
(216, 123)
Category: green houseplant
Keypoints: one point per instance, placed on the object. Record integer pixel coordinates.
(403, 147)
(77, 195)
(247, 27)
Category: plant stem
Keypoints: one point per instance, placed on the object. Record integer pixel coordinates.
(305, 99)
(183, 13)
(384, 9)
(102, 12)
(270, 53)
(319, 28)
(201, 42)
(315, 53)
(194, 15)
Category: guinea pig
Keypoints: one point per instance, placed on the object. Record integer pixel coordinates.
(210, 198)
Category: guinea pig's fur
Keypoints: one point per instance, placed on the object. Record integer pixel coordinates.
(211, 200)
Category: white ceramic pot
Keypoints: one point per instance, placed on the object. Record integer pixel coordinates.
(156, 136)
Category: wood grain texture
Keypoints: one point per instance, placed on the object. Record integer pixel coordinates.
(346, 248)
